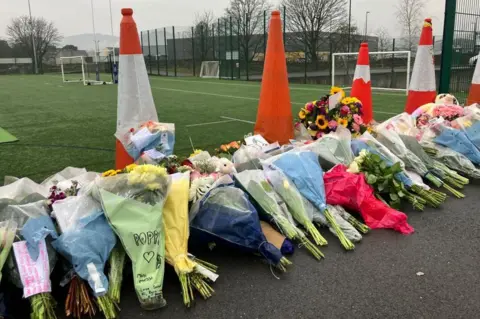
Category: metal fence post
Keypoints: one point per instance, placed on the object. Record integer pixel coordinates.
(247, 25)
(166, 50)
(264, 33)
(231, 48)
(447, 46)
(156, 45)
(238, 48)
(213, 41)
(226, 47)
(193, 50)
(305, 64)
(174, 53)
(393, 65)
(141, 40)
(149, 53)
(284, 24)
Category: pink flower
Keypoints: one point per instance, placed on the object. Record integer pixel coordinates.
(357, 119)
(319, 134)
(344, 110)
(309, 107)
(332, 125)
(356, 127)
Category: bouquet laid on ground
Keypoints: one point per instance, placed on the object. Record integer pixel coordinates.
(331, 111)
(255, 183)
(352, 192)
(192, 273)
(154, 138)
(470, 125)
(394, 142)
(133, 204)
(227, 150)
(226, 214)
(8, 229)
(304, 171)
(86, 242)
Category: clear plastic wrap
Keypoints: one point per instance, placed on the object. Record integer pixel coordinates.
(67, 173)
(69, 211)
(149, 136)
(8, 229)
(457, 141)
(21, 188)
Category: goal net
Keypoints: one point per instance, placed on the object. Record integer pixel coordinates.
(210, 70)
(79, 69)
(389, 70)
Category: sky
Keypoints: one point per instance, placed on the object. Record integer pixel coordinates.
(74, 17)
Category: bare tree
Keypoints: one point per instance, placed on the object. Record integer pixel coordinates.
(21, 30)
(311, 21)
(204, 32)
(409, 16)
(247, 24)
(384, 39)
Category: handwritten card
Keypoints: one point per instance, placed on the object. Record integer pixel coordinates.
(35, 274)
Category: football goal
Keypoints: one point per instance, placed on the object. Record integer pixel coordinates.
(76, 69)
(210, 70)
(389, 70)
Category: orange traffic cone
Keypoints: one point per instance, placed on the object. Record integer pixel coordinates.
(474, 95)
(135, 101)
(422, 88)
(362, 86)
(274, 116)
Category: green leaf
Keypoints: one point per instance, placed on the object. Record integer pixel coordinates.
(383, 165)
(381, 187)
(396, 168)
(401, 194)
(376, 158)
(371, 179)
(394, 197)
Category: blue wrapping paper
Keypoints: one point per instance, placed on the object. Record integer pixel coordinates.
(459, 142)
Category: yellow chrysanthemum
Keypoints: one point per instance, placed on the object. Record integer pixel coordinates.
(321, 122)
(302, 114)
(370, 129)
(335, 90)
(196, 152)
(110, 172)
(130, 167)
(343, 122)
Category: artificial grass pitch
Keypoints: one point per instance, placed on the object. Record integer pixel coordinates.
(6, 137)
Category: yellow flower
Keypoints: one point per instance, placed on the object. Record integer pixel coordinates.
(196, 152)
(370, 129)
(343, 122)
(321, 122)
(130, 167)
(110, 172)
(286, 185)
(335, 90)
(302, 114)
(312, 133)
(153, 186)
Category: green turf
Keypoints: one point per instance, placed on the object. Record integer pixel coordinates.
(68, 124)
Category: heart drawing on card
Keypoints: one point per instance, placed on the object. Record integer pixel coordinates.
(148, 256)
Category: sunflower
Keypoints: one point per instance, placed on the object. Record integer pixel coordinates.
(302, 114)
(321, 122)
(343, 122)
(335, 90)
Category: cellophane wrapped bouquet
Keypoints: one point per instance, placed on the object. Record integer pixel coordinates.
(133, 201)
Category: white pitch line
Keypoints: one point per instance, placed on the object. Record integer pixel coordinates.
(209, 123)
(238, 120)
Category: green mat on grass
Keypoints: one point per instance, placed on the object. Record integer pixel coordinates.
(6, 137)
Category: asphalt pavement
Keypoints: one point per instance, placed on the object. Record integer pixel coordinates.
(433, 273)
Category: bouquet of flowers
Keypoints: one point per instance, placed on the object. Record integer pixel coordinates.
(470, 125)
(227, 150)
(392, 140)
(86, 242)
(225, 213)
(352, 192)
(304, 171)
(456, 140)
(133, 204)
(254, 182)
(149, 136)
(331, 111)
(8, 229)
(191, 272)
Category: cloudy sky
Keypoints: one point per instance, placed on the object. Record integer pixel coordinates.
(74, 16)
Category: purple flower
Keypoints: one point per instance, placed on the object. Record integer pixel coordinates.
(344, 110)
(309, 107)
(322, 111)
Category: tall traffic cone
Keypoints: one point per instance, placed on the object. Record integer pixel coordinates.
(362, 86)
(474, 94)
(274, 116)
(422, 88)
(135, 101)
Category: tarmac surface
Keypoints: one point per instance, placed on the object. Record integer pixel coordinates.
(433, 273)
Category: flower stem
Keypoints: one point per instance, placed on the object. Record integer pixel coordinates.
(346, 243)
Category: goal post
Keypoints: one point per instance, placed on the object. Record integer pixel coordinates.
(76, 69)
(376, 71)
(210, 70)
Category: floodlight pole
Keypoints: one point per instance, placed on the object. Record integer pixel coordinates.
(349, 24)
(111, 27)
(97, 74)
(33, 40)
(366, 24)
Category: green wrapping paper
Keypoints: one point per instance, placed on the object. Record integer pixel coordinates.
(140, 229)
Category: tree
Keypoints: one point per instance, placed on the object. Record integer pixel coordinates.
(70, 47)
(409, 16)
(21, 30)
(247, 18)
(203, 33)
(384, 39)
(310, 21)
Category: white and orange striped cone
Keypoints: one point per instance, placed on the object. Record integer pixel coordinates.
(362, 86)
(474, 94)
(422, 88)
(135, 103)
